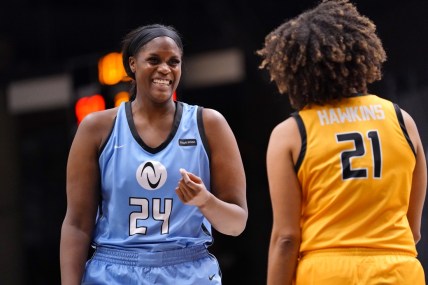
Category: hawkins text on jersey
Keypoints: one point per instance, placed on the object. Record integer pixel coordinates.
(351, 114)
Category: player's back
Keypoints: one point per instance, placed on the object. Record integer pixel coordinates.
(355, 170)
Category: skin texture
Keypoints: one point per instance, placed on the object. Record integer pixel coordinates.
(286, 202)
(419, 182)
(157, 69)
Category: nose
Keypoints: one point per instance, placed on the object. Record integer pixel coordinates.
(164, 68)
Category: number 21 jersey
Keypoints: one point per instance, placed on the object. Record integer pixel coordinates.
(355, 170)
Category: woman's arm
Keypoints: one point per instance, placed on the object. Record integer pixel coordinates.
(226, 207)
(82, 199)
(282, 152)
(419, 182)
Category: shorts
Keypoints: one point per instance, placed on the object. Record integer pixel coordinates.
(359, 266)
(188, 266)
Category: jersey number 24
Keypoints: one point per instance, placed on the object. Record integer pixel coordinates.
(145, 213)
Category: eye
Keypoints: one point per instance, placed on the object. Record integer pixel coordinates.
(153, 60)
(174, 62)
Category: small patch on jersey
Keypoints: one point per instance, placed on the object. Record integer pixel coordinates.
(187, 142)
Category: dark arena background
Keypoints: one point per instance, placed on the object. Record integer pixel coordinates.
(49, 54)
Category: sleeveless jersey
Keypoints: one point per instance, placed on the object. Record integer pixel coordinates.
(355, 171)
(139, 207)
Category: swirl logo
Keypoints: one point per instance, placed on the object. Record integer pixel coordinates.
(151, 175)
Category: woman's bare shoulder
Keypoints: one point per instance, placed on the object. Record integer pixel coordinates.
(97, 125)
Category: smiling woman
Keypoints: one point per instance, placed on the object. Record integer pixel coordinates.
(148, 179)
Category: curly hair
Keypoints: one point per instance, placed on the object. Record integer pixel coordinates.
(324, 54)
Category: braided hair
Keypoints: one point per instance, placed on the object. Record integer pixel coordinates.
(324, 54)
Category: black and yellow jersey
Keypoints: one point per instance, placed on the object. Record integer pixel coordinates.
(355, 170)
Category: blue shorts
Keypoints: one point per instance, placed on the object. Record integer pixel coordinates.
(193, 265)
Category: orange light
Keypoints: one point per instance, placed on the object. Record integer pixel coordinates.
(174, 96)
(86, 105)
(120, 97)
(111, 70)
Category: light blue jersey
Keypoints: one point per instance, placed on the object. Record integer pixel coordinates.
(140, 209)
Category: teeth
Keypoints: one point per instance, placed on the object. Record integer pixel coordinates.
(162, 81)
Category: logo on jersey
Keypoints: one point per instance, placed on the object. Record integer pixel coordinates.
(151, 175)
(187, 142)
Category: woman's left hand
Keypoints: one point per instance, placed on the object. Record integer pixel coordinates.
(191, 190)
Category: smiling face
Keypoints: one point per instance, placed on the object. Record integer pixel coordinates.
(157, 69)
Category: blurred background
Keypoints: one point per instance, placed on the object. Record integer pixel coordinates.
(51, 53)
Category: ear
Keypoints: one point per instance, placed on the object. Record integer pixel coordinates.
(132, 63)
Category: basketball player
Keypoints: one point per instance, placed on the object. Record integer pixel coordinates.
(347, 171)
(146, 180)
